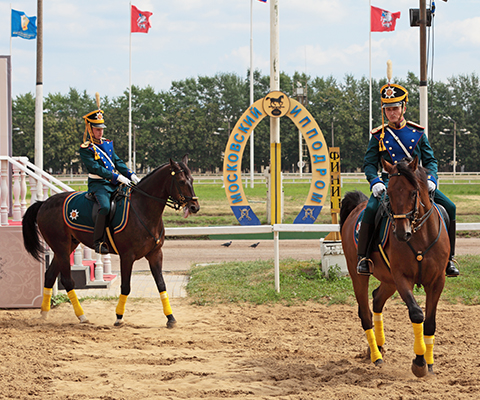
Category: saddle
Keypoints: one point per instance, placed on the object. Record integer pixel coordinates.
(80, 210)
(382, 226)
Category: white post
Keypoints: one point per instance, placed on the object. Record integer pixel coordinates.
(107, 264)
(4, 193)
(251, 91)
(276, 250)
(130, 96)
(99, 269)
(77, 257)
(17, 213)
(39, 97)
(454, 150)
(370, 71)
(23, 192)
(274, 66)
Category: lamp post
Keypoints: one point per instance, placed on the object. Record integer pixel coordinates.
(465, 132)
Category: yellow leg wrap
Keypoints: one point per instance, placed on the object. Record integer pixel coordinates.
(122, 301)
(47, 299)
(372, 343)
(378, 326)
(167, 310)
(75, 303)
(419, 347)
(429, 342)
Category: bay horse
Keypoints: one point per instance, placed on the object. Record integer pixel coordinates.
(417, 252)
(143, 236)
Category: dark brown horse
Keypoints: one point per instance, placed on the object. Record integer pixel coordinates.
(417, 250)
(143, 236)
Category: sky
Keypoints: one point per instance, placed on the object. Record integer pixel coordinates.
(86, 43)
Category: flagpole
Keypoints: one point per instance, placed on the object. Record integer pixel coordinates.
(370, 70)
(39, 99)
(130, 94)
(251, 91)
(10, 32)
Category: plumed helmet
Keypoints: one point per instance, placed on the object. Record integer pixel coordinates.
(393, 95)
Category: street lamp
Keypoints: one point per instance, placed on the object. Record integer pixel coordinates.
(464, 131)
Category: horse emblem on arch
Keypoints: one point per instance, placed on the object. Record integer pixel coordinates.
(276, 104)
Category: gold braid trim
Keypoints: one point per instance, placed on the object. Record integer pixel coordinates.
(381, 145)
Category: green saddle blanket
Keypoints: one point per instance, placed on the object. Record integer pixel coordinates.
(77, 213)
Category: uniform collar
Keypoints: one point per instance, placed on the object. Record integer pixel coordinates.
(402, 124)
(95, 141)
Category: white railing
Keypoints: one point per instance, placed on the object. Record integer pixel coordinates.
(22, 167)
(276, 229)
(41, 185)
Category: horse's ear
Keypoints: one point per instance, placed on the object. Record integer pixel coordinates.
(413, 165)
(185, 159)
(386, 165)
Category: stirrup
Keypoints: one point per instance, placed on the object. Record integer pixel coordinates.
(101, 248)
(363, 266)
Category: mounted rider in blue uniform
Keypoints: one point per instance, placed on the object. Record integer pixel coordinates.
(393, 142)
(105, 171)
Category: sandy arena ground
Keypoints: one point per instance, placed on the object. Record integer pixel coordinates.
(250, 352)
(242, 352)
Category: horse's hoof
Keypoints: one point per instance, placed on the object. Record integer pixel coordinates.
(43, 314)
(419, 370)
(171, 324)
(119, 322)
(83, 319)
(378, 363)
(430, 369)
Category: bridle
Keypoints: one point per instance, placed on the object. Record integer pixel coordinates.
(416, 224)
(176, 204)
(412, 215)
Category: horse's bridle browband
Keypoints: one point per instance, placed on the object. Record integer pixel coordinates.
(412, 215)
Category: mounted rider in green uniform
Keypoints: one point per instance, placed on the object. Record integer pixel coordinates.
(393, 142)
(105, 171)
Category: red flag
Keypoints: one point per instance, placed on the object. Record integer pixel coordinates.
(383, 20)
(140, 22)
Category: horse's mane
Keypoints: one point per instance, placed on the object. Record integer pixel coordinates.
(417, 178)
(182, 166)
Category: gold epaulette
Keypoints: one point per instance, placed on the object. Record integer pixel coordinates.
(378, 129)
(414, 125)
(85, 144)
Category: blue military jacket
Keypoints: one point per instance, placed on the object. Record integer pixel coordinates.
(415, 142)
(101, 160)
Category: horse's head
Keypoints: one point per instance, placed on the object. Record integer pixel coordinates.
(182, 187)
(406, 190)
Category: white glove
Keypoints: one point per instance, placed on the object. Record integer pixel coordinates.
(378, 189)
(124, 180)
(431, 186)
(135, 179)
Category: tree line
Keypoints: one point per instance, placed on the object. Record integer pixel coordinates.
(196, 115)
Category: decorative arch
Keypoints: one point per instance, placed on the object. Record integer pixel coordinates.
(276, 105)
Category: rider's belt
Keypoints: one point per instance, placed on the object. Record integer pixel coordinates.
(93, 176)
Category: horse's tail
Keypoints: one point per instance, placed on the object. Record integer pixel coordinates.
(349, 203)
(31, 238)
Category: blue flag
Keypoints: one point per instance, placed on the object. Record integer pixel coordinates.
(23, 26)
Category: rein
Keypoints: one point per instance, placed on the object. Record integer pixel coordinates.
(170, 202)
(417, 223)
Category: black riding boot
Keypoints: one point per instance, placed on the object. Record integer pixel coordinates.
(364, 237)
(99, 235)
(452, 270)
